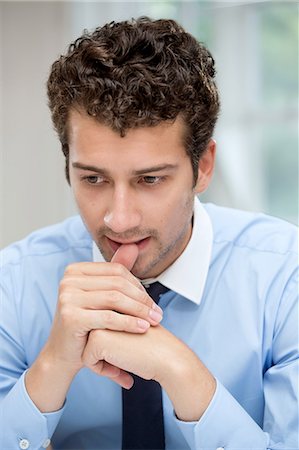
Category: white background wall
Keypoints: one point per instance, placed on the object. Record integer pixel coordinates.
(33, 191)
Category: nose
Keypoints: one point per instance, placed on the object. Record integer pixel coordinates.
(122, 214)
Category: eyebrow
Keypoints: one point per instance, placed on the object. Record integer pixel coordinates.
(159, 168)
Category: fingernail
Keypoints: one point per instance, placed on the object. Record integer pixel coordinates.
(157, 308)
(155, 315)
(143, 324)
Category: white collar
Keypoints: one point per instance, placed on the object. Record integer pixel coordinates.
(187, 275)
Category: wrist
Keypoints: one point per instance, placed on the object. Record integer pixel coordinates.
(47, 382)
(49, 361)
(189, 385)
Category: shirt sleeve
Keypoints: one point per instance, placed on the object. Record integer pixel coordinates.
(226, 425)
(22, 425)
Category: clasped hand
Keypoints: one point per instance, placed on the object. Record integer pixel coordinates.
(152, 354)
(99, 296)
(105, 320)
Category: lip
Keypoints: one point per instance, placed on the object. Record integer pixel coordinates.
(141, 243)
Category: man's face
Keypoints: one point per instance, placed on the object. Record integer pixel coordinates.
(137, 188)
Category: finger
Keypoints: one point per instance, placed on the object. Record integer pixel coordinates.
(124, 379)
(119, 303)
(117, 375)
(137, 354)
(106, 369)
(126, 255)
(99, 269)
(107, 293)
(111, 320)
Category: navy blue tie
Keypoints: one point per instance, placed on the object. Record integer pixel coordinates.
(143, 425)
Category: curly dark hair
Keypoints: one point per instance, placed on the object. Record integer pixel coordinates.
(137, 73)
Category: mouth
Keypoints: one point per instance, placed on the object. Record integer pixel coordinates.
(141, 243)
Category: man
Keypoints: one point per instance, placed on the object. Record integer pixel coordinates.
(134, 105)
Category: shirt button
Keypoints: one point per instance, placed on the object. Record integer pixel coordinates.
(46, 443)
(24, 444)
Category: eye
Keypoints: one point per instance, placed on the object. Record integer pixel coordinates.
(93, 179)
(151, 180)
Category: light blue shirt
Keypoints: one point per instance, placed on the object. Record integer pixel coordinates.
(240, 317)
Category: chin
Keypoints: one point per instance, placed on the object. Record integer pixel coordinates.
(143, 272)
(140, 271)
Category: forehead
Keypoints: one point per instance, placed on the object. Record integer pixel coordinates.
(87, 134)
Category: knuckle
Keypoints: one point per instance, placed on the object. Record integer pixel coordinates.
(130, 324)
(145, 299)
(71, 269)
(119, 269)
(68, 290)
(66, 314)
(76, 268)
(126, 323)
(108, 318)
(93, 336)
(139, 309)
(113, 298)
(65, 296)
(64, 283)
(120, 282)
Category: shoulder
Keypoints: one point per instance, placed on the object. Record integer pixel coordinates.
(255, 231)
(254, 258)
(53, 241)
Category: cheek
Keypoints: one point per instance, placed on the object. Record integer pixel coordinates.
(84, 199)
(88, 208)
(174, 215)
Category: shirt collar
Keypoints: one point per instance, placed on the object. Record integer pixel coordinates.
(188, 273)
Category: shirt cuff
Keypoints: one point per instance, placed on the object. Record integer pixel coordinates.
(224, 425)
(25, 426)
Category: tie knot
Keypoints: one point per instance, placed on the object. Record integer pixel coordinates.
(155, 290)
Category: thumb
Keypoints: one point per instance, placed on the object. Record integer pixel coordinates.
(126, 255)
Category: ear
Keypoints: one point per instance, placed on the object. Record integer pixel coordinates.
(206, 167)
